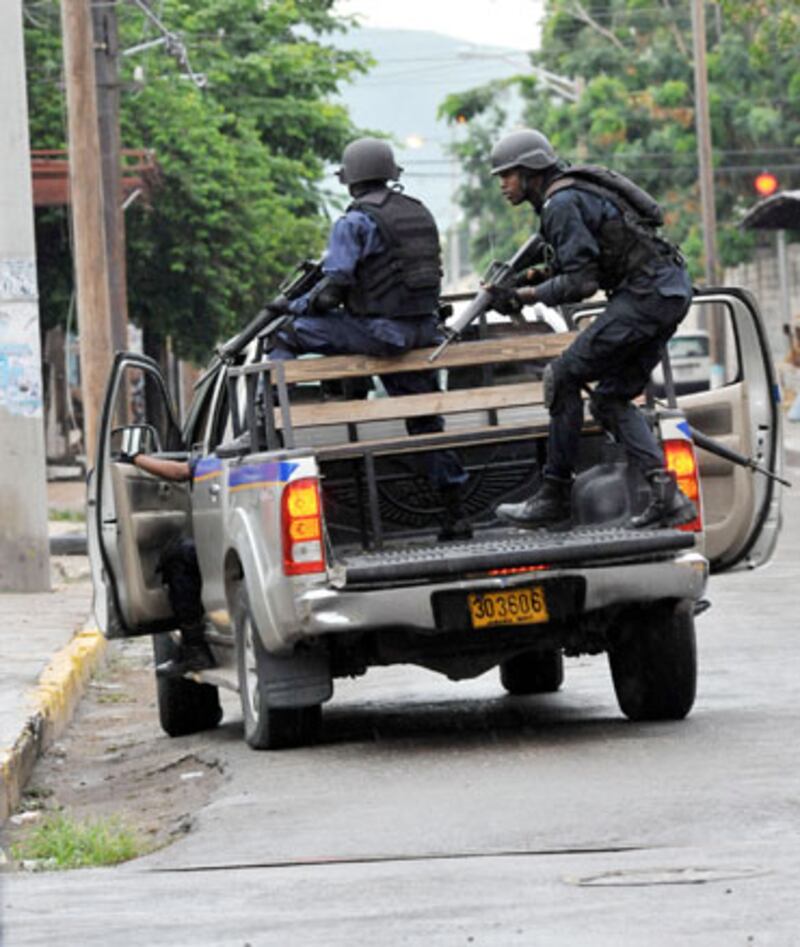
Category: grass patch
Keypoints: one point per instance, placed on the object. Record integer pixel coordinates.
(67, 516)
(63, 842)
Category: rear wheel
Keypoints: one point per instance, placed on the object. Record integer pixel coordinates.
(654, 662)
(266, 728)
(184, 706)
(535, 672)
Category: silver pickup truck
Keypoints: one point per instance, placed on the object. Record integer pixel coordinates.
(316, 528)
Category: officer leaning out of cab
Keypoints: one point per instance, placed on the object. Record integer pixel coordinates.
(379, 296)
(597, 240)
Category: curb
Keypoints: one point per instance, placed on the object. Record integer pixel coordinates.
(53, 702)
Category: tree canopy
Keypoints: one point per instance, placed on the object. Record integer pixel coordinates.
(240, 160)
(632, 65)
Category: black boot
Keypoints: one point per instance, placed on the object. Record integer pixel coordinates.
(192, 655)
(549, 506)
(668, 506)
(455, 524)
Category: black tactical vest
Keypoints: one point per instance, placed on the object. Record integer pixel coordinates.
(404, 280)
(628, 243)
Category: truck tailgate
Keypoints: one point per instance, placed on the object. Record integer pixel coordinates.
(504, 549)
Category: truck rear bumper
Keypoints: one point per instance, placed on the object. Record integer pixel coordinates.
(338, 611)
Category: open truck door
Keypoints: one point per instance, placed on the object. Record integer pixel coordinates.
(739, 410)
(133, 515)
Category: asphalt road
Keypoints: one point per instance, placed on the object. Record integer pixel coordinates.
(439, 813)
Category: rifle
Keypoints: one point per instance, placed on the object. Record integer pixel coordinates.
(733, 456)
(502, 275)
(276, 312)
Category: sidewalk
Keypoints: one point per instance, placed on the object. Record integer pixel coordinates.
(48, 649)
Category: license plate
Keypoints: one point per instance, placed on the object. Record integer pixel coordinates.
(510, 607)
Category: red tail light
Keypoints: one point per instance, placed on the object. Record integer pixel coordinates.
(301, 526)
(682, 462)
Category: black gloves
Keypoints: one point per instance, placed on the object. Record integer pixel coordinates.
(504, 300)
(326, 295)
(127, 457)
(533, 276)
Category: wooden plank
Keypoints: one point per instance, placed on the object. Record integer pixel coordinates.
(485, 352)
(414, 406)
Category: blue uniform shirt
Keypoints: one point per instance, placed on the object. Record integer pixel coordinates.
(353, 237)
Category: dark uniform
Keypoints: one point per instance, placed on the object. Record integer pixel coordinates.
(600, 238)
(379, 296)
(620, 349)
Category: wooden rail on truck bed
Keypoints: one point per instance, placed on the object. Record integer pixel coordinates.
(490, 398)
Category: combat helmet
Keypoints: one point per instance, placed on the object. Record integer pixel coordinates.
(368, 159)
(526, 148)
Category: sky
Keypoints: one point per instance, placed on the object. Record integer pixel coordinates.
(511, 23)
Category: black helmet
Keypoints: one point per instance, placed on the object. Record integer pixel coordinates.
(368, 159)
(525, 148)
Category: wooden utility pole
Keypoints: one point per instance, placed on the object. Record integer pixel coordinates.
(106, 46)
(86, 207)
(703, 131)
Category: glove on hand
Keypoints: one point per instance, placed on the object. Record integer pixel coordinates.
(127, 457)
(505, 301)
(533, 276)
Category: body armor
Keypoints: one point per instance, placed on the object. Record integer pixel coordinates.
(630, 242)
(404, 280)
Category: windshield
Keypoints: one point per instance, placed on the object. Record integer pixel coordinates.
(688, 346)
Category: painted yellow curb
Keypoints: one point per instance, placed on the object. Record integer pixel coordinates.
(52, 704)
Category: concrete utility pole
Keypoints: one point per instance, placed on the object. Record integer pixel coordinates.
(24, 551)
(106, 45)
(86, 206)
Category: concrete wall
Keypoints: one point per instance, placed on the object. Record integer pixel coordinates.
(761, 278)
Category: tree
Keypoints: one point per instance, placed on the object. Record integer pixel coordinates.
(636, 111)
(238, 198)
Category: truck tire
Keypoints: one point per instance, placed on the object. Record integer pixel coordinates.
(654, 662)
(266, 728)
(534, 672)
(184, 706)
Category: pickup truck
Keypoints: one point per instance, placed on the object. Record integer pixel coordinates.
(316, 528)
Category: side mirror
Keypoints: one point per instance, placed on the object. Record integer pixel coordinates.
(135, 439)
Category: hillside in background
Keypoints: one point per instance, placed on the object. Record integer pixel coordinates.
(400, 96)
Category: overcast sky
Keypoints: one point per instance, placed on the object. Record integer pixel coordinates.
(512, 23)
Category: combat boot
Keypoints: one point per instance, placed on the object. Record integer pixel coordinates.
(550, 506)
(455, 524)
(668, 506)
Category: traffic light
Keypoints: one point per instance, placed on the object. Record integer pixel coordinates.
(766, 183)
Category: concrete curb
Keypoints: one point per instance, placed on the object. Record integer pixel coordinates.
(53, 702)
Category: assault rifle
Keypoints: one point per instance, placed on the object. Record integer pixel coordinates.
(500, 275)
(276, 312)
(733, 456)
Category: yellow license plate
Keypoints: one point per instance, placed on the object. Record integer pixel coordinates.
(509, 607)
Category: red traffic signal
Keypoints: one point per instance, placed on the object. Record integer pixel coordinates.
(766, 183)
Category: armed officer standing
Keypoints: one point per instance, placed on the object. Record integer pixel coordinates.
(379, 295)
(598, 239)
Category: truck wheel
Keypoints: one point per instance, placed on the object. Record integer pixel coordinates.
(266, 728)
(654, 662)
(534, 672)
(184, 706)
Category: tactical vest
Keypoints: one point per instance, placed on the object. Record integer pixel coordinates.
(628, 243)
(405, 279)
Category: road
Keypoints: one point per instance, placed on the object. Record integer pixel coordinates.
(446, 814)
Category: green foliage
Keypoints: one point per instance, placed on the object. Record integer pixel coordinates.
(237, 199)
(63, 842)
(632, 60)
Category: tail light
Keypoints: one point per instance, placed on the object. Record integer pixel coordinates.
(301, 526)
(682, 462)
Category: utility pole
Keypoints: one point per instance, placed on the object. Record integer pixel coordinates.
(24, 549)
(86, 206)
(106, 46)
(708, 212)
(703, 131)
